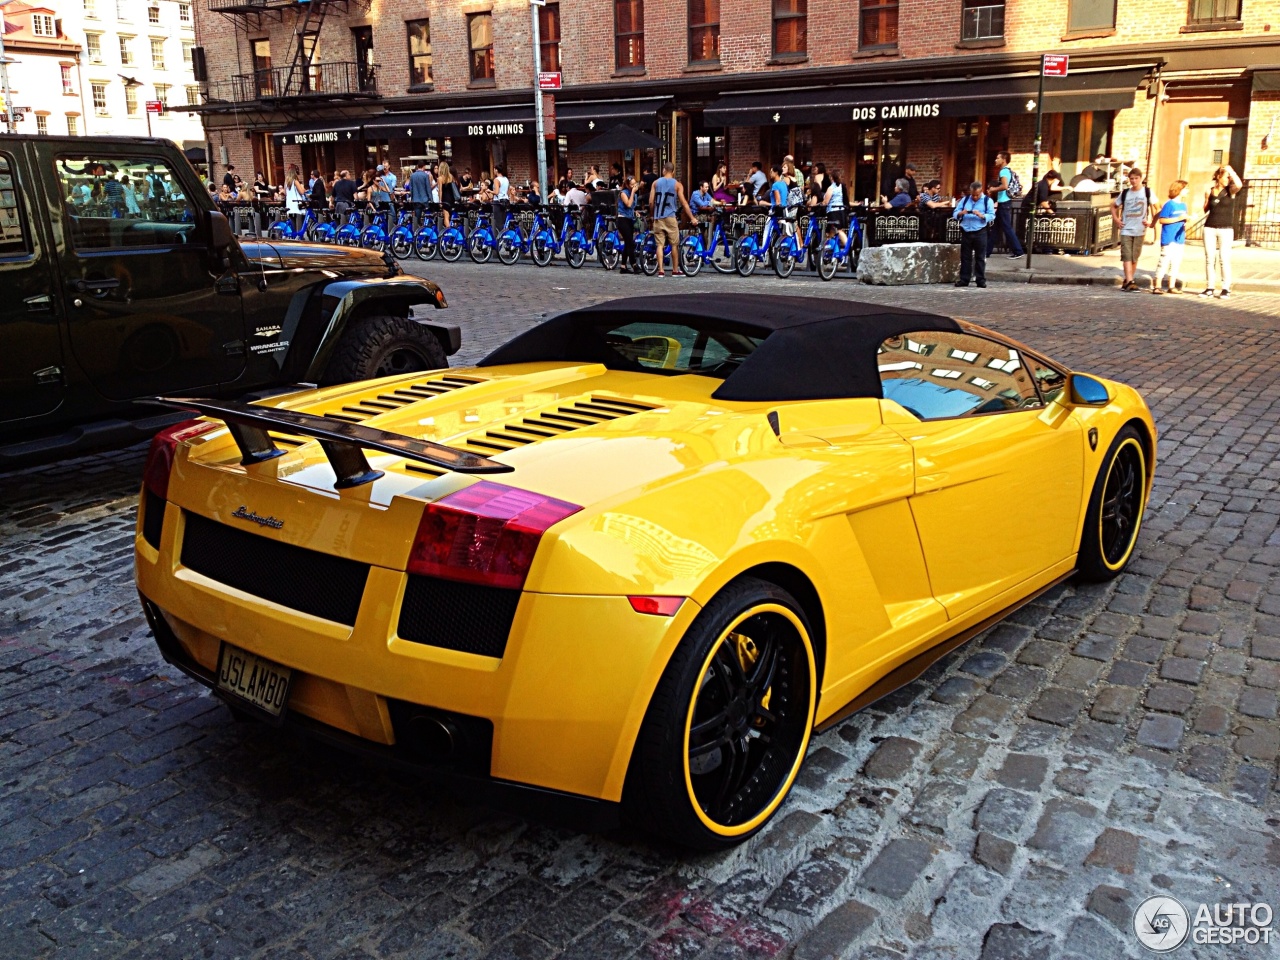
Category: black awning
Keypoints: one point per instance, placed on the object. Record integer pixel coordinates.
(506, 120)
(1111, 89)
(318, 131)
(596, 116)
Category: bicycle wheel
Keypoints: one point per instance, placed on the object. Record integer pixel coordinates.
(451, 246)
(648, 255)
(784, 260)
(829, 261)
(508, 248)
(426, 246)
(744, 258)
(479, 248)
(401, 245)
(574, 255)
(691, 257)
(275, 232)
(722, 255)
(610, 255)
(540, 249)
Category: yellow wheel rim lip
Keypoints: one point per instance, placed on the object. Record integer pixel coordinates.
(784, 789)
(1142, 505)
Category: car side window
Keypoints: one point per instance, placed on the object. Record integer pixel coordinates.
(938, 375)
(122, 202)
(14, 241)
(1050, 380)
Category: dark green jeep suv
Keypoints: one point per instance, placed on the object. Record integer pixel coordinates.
(119, 280)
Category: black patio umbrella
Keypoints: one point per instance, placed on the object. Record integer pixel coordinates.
(622, 137)
(195, 154)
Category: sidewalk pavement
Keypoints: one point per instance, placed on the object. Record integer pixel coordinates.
(1253, 269)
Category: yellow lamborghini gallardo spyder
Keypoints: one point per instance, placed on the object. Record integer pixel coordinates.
(630, 561)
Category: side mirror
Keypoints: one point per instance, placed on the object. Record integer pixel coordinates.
(1088, 392)
(220, 236)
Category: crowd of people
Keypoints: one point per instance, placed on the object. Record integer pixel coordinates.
(985, 213)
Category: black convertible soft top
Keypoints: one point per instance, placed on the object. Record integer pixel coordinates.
(813, 348)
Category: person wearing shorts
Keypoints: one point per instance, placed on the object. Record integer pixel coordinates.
(1133, 212)
(666, 200)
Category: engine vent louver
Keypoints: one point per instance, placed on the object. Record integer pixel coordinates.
(553, 422)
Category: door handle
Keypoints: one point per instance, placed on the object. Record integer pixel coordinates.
(41, 303)
(95, 286)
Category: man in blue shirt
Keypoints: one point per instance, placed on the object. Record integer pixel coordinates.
(757, 179)
(902, 195)
(702, 199)
(1004, 212)
(975, 214)
(420, 187)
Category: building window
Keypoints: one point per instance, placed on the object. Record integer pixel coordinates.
(122, 10)
(419, 33)
(879, 23)
(93, 46)
(186, 53)
(704, 31)
(549, 36)
(162, 94)
(68, 87)
(131, 100)
(126, 54)
(480, 37)
(184, 13)
(1091, 15)
(157, 53)
(42, 124)
(73, 126)
(91, 9)
(628, 33)
(982, 20)
(193, 94)
(42, 25)
(153, 14)
(100, 99)
(1213, 11)
(790, 27)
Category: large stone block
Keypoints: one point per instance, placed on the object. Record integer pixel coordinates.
(899, 263)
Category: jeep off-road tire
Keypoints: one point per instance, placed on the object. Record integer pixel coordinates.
(383, 346)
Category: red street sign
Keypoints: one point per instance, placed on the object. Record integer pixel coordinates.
(549, 80)
(1055, 64)
(155, 106)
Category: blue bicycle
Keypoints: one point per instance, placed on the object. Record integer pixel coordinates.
(694, 250)
(426, 242)
(327, 230)
(582, 244)
(752, 248)
(285, 230)
(453, 240)
(401, 239)
(792, 249)
(349, 233)
(546, 243)
(834, 255)
(482, 241)
(514, 241)
(374, 236)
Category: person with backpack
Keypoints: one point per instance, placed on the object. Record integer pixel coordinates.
(1133, 212)
(1010, 189)
(1173, 237)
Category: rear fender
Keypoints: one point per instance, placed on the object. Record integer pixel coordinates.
(342, 301)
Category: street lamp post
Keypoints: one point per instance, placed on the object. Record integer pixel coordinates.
(539, 145)
(1035, 167)
(4, 75)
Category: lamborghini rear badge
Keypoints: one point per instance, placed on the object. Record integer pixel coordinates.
(1093, 438)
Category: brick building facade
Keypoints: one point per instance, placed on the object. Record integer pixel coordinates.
(1176, 86)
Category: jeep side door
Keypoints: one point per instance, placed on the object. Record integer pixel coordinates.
(31, 364)
(148, 310)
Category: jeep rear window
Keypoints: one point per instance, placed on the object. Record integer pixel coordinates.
(116, 202)
(13, 237)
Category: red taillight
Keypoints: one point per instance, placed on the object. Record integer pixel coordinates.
(656, 606)
(487, 533)
(160, 457)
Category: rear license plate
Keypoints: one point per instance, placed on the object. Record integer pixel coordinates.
(253, 679)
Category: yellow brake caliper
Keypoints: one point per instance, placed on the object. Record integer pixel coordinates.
(748, 653)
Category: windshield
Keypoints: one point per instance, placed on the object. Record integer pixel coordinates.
(673, 347)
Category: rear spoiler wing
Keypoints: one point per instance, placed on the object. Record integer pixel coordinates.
(343, 443)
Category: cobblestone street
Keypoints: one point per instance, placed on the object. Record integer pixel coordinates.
(1106, 744)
